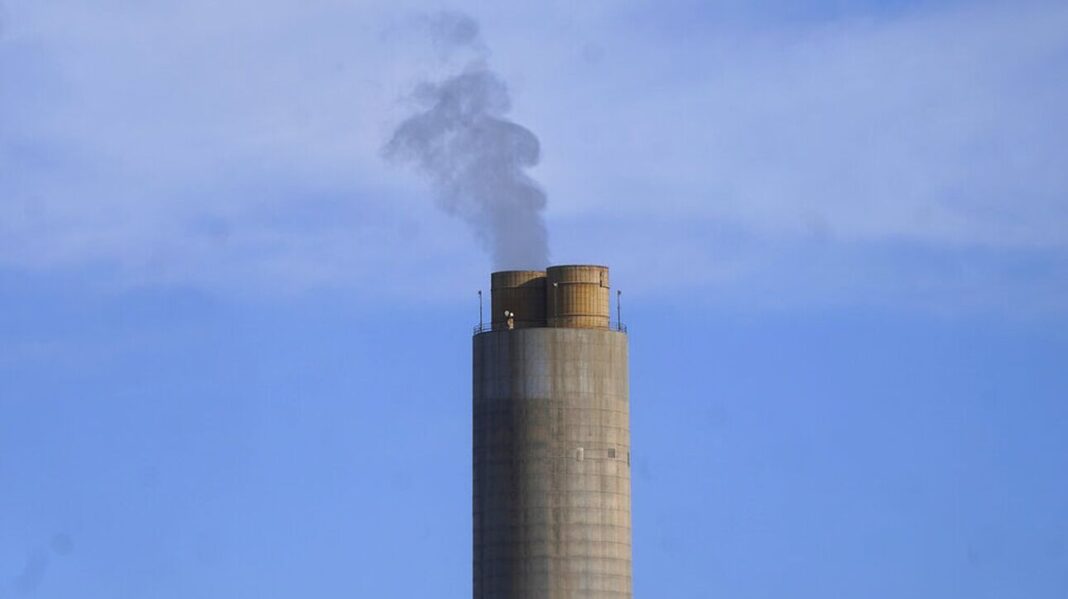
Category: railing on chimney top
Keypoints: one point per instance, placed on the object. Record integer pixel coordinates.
(487, 327)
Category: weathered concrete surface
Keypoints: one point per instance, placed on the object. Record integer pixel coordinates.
(551, 465)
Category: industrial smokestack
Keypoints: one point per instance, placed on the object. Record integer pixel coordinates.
(473, 156)
(552, 511)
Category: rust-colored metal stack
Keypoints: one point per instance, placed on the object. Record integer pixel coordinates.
(571, 296)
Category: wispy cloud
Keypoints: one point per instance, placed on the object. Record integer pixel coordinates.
(935, 125)
(242, 149)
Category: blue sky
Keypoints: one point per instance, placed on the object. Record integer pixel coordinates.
(234, 341)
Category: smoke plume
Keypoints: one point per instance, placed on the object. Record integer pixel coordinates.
(475, 158)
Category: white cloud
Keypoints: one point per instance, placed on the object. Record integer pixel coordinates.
(237, 144)
(942, 127)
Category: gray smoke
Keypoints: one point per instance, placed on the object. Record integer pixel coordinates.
(473, 156)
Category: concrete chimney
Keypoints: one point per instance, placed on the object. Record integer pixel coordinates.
(551, 440)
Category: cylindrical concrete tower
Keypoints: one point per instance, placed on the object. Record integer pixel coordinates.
(552, 443)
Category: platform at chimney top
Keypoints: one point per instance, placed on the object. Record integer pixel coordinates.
(573, 296)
